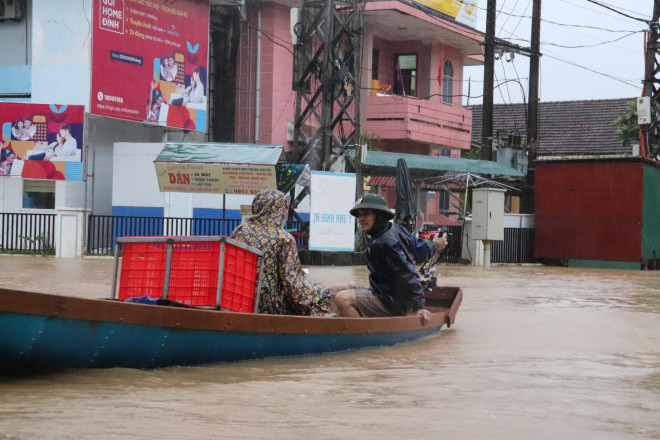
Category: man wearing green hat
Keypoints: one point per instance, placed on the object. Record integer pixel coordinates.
(394, 285)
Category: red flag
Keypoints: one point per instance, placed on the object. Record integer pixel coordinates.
(442, 61)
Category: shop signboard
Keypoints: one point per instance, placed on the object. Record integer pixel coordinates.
(460, 10)
(214, 178)
(217, 168)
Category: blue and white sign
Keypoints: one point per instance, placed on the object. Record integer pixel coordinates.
(331, 227)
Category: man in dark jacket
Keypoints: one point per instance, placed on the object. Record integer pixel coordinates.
(394, 284)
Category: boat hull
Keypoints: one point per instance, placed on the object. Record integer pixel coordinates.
(46, 332)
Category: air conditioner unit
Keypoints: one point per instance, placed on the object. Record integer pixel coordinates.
(12, 10)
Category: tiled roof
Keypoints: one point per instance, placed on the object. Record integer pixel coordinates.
(565, 127)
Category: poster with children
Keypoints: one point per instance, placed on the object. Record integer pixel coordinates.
(149, 61)
(41, 141)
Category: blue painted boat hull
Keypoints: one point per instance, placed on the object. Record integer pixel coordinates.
(54, 332)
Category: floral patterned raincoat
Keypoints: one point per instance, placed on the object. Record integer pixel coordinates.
(285, 289)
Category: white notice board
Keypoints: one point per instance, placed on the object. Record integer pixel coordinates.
(331, 227)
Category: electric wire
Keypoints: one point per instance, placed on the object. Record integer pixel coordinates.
(270, 37)
(575, 64)
(572, 63)
(585, 26)
(623, 9)
(519, 21)
(507, 105)
(582, 46)
(556, 57)
(545, 20)
(502, 8)
(594, 10)
(618, 11)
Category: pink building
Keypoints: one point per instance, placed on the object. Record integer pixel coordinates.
(415, 108)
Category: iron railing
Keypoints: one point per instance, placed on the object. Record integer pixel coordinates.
(517, 247)
(23, 232)
(103, 230)
(35, 233)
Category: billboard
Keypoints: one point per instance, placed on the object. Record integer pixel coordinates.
(41, 141)
(149, 61)
(331, 227)
(463, 11)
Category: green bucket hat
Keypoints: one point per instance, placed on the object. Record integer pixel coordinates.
(372, 201)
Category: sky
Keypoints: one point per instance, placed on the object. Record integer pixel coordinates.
(601, 70)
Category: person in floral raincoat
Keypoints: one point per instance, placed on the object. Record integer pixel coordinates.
(285, 288)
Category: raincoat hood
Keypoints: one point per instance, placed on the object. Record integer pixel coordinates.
(269, 208)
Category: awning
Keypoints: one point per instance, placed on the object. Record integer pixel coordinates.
(224, 168)
(379, 163)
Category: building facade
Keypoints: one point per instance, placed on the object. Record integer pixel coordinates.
(411, 88)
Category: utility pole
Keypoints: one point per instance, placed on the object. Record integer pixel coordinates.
(651, 132)
(533, 108)
(489, 77)
(533, 103)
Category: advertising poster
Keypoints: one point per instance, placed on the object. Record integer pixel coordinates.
(460, 10)
(214, 178)
(331, 227)
(41, 141)
(149, 61)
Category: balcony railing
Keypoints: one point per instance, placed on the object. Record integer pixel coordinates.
(396, 117)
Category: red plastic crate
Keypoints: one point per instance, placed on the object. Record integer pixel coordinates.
(239, 279)
(142, 270)
(193, 273)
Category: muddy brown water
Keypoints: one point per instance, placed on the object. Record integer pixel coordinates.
(535, 353)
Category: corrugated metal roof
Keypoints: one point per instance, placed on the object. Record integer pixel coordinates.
(215, 152)
(383, 163)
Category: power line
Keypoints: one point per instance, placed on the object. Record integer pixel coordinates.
(618, 11)
(511, 14)
(521, 19)
(592, 10)
(546, 43)
(508, 16)
(572, 63)
(271, 38)
(624, 9)
(509, 109)
(558, 58)
(585, 26)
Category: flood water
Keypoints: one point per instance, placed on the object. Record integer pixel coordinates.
(535, 353)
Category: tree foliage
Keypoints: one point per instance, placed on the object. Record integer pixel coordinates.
(626, 124)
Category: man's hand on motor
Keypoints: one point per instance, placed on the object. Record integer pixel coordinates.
(441, 241)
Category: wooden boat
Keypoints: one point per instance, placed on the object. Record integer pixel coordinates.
(48, 332)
